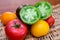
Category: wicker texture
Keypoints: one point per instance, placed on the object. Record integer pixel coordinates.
(54, 33)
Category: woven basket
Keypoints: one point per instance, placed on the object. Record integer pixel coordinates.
(54, 33)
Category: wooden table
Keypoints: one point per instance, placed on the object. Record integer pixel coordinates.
(11, 5)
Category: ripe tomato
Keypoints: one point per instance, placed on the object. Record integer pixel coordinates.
(50, 21)
(40, 28)
(16, 30)
(7, 16)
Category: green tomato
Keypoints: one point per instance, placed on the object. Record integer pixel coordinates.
(45, 9)
(30, 14)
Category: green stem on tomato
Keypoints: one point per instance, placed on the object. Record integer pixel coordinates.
(16, 25)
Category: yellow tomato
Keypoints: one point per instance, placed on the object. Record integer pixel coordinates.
(40, 28)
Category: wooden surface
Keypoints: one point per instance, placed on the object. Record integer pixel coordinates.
(11, 5)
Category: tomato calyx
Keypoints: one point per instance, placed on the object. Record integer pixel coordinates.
(16, 25)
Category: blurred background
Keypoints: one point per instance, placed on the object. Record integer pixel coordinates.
(11, 5)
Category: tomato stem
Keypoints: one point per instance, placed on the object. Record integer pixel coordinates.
(16, 25)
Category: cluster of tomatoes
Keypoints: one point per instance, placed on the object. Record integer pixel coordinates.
(39, 16)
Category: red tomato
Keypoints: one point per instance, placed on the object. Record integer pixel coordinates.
(16, 30)
(50, 21)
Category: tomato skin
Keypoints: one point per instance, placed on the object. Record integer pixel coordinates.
(8, 16)
(16, 33)
(50, 21)
(40, 28)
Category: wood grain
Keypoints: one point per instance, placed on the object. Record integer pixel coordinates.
(11, 5)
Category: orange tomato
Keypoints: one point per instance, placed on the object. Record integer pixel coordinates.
(7, 16)
(40, 28)
(0, 17)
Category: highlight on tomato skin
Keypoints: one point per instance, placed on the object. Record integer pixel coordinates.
(50, 21)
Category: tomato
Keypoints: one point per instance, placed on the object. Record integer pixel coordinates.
(40, 28)
(45, 9)
(16, 30)
(7, 16)
(50, 21)
(29, 14)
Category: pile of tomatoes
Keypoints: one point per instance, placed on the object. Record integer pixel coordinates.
(38, 16)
